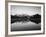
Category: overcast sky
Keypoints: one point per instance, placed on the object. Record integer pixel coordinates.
(29, 10)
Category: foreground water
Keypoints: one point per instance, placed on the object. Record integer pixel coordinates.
(24, 26)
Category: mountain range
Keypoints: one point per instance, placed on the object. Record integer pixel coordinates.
(26, 18)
